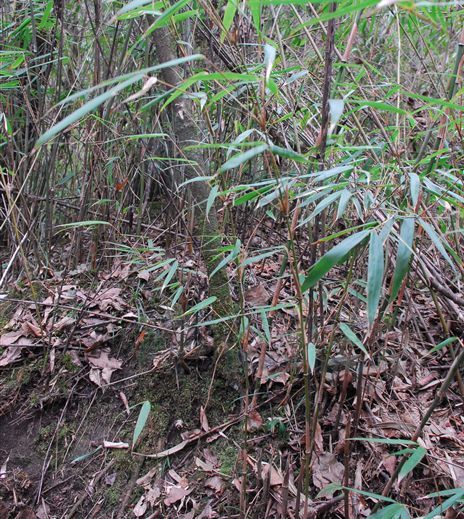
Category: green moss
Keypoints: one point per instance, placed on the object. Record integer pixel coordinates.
(125, 464)
(112, 496)
(227, 456)
(67, 362)
(152, 343)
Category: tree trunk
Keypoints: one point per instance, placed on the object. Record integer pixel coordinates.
(187, 131)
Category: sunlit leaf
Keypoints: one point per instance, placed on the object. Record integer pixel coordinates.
(375, 272)
(403, 256)
(141, 421)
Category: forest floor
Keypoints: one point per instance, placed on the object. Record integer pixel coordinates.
(78, 438)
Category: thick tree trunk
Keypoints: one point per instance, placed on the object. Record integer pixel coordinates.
(187, 131)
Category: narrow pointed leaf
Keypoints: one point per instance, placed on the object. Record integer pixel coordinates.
(451, 501)
(237, 160)
(352, 337)
(414, 186)
(141, 421)
(331, 258)
(228, 259)
(404, 255)
(311, 356)
(211, 199)
(412, 462)
(200, 306)
(375, 272)
(437, 241)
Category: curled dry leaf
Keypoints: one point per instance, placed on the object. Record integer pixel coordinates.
(257, 296)
(141, 507)
(203, 419)
(110, 479)
(10, 338)
(175, 494)
(153, 495)
(9, 356)
(327, 469)
(31, 329)
(102, 367)
(276, 477)
(215, 483)
(123, 398)
(254, 421)
(144, 275)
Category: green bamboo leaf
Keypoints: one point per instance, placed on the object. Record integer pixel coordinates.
(255, 8)
(336, 107)
(269, 58)
(352, 337)
(87, 455)
(443, 493)
(135, 4)
(393, 511)
(375, 272)
(86, 223)
(451, 501)
(267, 330)
(88, 107)
(200, 306)
(378, 105)
(141, 421)
(404, 255)
(288, 154)
(251, 195)
(386, 441)
(228, 259)
(437, 241)
(93, 104)
(211, 199)
(343, 202)
(411, 462)
(414, 186)
(237, 160)
(176, 296)
(229, 15)
(264, 255)
(331, 258)
(444, 343)
(332, 487)
(161, 21)
(326, 201)
(311, 356)
(170, 274)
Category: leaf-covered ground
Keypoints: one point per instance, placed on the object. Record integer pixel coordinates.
(114, 405)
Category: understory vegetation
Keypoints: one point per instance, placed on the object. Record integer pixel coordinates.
(231, 259)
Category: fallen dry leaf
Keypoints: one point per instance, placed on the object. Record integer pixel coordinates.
(175, 494)
(31, 329)
(144, 275)
(327, 469)
(276, 477)
(10, 338)
(254, 421)
(153, 495)
(9, 356)
(140, 508)
(257, 296)
(215, 483)
(102, 366)
(203, 419)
